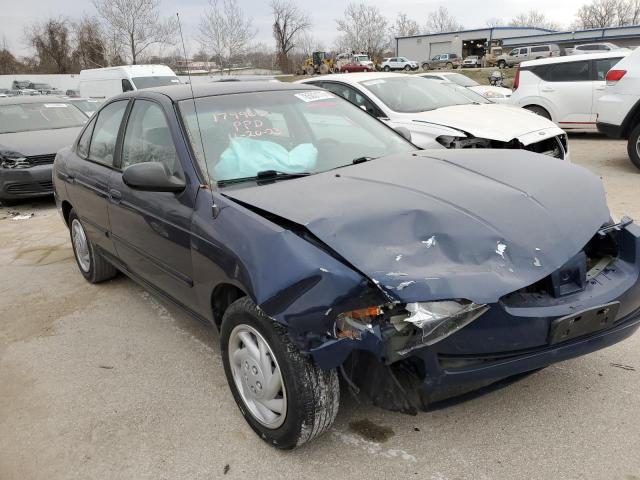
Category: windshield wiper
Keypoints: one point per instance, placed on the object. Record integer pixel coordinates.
(355, 161)
(263, 177)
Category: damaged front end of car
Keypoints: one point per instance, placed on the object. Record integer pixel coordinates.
(417, 291)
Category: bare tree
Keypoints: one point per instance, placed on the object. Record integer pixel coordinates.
(441, 20)
(90, 49)
(495, 22)
(136, 24)
(534, 19)
(363, 29)
(402, 27)
(608, 13)
(288, 24)
(52, 43)
(8, 63)
(226, 32)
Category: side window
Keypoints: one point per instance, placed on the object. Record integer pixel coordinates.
(568, 72)
(148, 138)
(513, 52)
(453, 55)
(126, 85)
(85, 140)
(539, 49)
(353, 96)
(603, 65)
(437, 57)
(105, 132)
(523, 51)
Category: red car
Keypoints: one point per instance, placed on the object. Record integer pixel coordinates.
(357, 63)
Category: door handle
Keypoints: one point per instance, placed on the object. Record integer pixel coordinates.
(115, 195)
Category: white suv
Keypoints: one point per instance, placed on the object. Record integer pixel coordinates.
(618, 108)
(399, 63)
(564, 89)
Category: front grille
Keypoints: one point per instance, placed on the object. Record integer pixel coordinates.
(35, 187)
(41, 159)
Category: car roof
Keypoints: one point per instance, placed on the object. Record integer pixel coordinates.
(576, 58)
(353, 77)
(183, 92)
(18, 99)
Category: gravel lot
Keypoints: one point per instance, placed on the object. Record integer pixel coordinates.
(107, 382)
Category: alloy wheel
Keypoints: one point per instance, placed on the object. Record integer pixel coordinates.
(81, 245)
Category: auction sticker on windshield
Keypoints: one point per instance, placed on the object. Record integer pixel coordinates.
(55, 105)
(314, 96)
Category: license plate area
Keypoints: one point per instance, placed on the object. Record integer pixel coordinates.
(583, 322)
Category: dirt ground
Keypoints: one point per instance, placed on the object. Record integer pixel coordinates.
(107, 382)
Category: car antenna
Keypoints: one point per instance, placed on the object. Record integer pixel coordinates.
(214, 208)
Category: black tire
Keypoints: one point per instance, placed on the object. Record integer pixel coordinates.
(502, 64)
(99, 268)
(449, 65)
(538, 110)
(313, 394)
(407, 68)
(425, 66)
(633, 146)
(387, 68)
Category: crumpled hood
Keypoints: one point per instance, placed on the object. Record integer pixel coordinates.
(40, 142)
(474, 225)
(491, 121)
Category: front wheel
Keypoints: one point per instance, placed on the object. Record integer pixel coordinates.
(283, 396)
(407, 68)
(633, 146)
(425, 66)
(450, 66)
(502, 64)
(387, 68)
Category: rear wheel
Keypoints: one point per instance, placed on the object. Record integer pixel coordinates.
(502, 64)
(425, 66)
(539, 111)
(387, 68)
(282, 395)
(450, 65)
(407, 67)
(93, 266)
(633, 147)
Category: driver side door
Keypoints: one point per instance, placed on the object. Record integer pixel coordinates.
(152, 230)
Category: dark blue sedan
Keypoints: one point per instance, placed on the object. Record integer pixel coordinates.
(319, 241)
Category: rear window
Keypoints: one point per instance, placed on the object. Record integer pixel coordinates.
(540, 49)
(26, 117)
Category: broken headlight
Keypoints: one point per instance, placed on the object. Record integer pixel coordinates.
(448, 141)
(356, 322)
(435, 321)
(10, 159)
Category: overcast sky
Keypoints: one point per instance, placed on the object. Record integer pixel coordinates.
(16, 15)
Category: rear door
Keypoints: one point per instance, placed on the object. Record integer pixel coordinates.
(152, 230)
(90, 169)
(600, 67)
(567, 90)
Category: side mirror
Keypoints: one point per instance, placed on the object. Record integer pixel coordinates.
(404, 132)
(152, 177)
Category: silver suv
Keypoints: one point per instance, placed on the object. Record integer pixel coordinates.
(521, 54)
(444, 60)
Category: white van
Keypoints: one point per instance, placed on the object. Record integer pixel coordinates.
(107, 82)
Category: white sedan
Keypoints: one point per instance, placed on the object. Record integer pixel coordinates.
(495, 94)
(437, 116)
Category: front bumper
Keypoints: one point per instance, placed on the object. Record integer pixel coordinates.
(511, 338)
(16, 184)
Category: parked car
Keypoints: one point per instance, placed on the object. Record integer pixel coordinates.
(32, 130)
(593, 48)
(5, 92)
(522, 54)
(422, 274)
(20, 84)
(618, 106)
(72, 93)
(87, 105)
(565, 89)
(446, 60)
(109, 81)
(494, 94)
(43, 88)
(472, 61)
(398, 63)
(437, 116)
(357, 63)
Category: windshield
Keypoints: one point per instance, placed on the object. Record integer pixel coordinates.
(286, 131)
(407, 94)
(87, 106)
(362, 58)
(150, 82)
(462, 80)
(26, 117)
